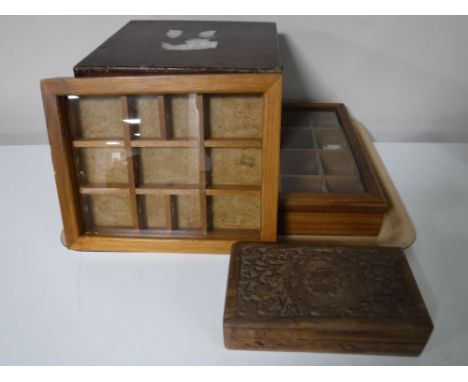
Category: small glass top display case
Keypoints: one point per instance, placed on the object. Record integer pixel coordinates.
(168, 139)
(328, 184)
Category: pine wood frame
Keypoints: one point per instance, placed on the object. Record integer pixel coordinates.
(344, 214)
(61, 149)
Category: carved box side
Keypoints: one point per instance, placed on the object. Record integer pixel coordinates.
(330, 299)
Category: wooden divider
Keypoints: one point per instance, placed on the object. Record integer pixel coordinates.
(132, 179)
(200, 107)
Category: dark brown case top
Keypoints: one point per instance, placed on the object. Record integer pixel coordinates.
(331, 299)
(159, 47)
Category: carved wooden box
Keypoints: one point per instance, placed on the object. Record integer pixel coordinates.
(168, 139)
(328, 183)
(327, 299)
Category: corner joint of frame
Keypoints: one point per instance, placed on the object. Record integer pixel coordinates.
(46, 86)
(276, 81)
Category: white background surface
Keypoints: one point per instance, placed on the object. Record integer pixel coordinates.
(404, 77)
(64, 307)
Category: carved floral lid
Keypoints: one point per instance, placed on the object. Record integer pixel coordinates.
(292, 283)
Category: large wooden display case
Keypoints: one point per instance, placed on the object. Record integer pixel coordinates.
(328, 185)
(169, 150)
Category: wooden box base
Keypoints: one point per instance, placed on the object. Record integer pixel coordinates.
(324, 299)
(325, 345)
(331, 223)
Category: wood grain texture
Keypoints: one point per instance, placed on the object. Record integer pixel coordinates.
(233, 142)
(132, 177)
(201, 121)
(167, 84)
(62, 161)
(229, 143)
(213, 244)
(98, 143)
(171, 143)
(162, 114)
(104, 189)
(331, 223)
(329, 299)
(234, 190)
(271, 159)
